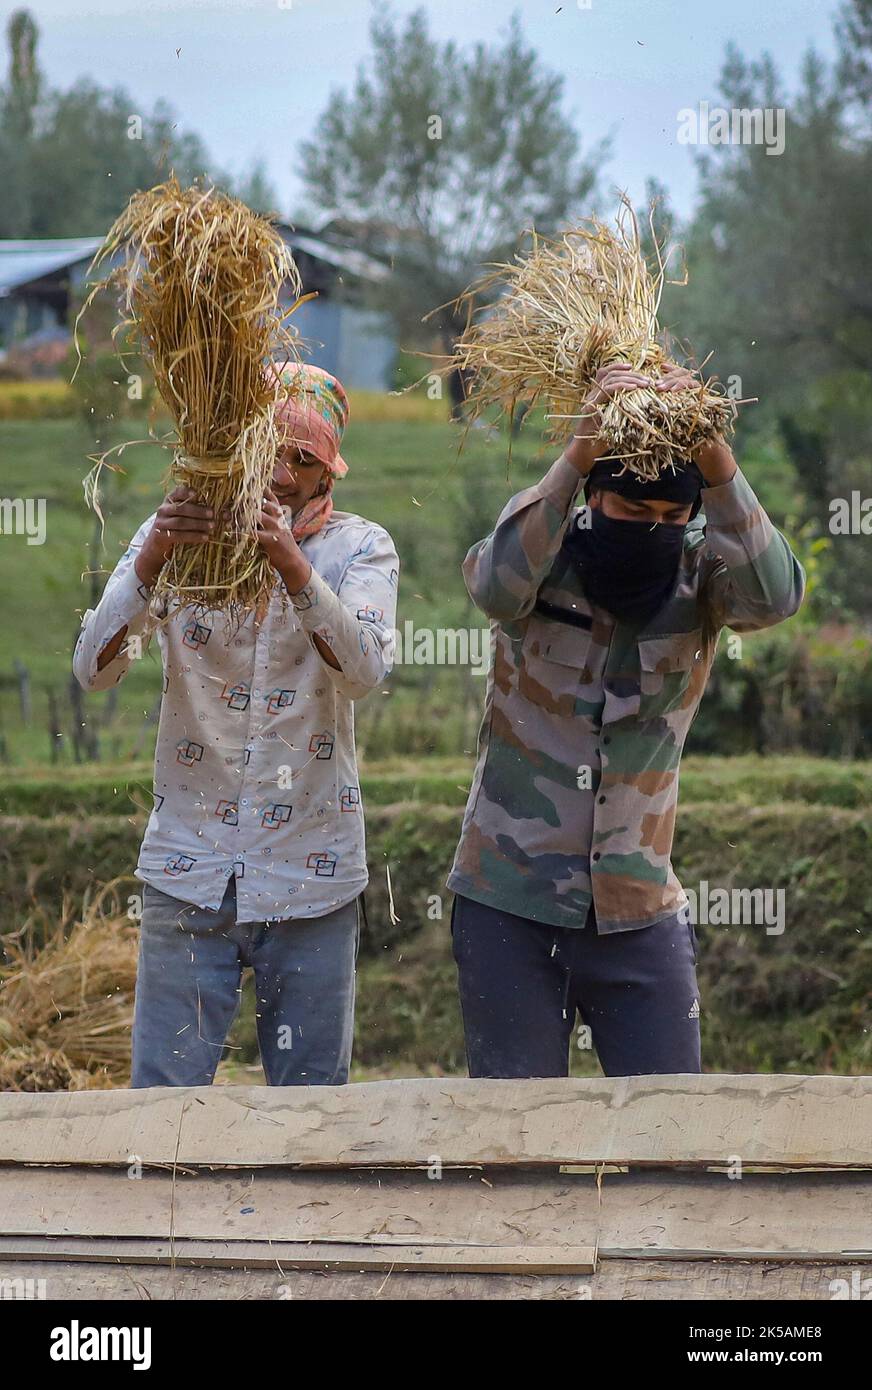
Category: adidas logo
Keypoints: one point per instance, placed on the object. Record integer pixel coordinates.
(693, 1011)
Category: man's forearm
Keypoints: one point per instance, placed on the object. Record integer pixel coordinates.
(715, 462)
(584, 448)
(148, 565)
(758, 581)
(295, 572)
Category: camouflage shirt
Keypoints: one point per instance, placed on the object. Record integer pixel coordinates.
(576, 784)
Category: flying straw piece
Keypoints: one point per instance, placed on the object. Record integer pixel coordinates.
(552, 318)
(200, 277)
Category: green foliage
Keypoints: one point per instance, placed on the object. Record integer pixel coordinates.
(408, 369)
(446, 154)
(100, 390)
(790, 687)
(69, 160)
(256, 190)
(58, 182)
(778, 274)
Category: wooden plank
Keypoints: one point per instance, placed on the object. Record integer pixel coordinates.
(614, 1279)
(366, 1256)
(820, 1121)
(677, 1215)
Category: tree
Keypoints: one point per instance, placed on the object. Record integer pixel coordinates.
(441, 157)
(854, 35)
(70, 160)
(256, 190)
(17, 115)
(778, 262)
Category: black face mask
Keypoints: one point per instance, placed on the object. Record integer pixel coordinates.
(627, 567)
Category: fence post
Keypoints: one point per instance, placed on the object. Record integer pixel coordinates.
(55, 732)
(23, 674)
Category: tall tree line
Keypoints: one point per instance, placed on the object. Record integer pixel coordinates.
(779, 255)
(69, 160)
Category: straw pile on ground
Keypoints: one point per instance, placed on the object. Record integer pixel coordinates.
(200, 277)
(554, 317)
(66, 1000)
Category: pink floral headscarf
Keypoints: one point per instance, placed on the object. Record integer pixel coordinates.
(313, 414)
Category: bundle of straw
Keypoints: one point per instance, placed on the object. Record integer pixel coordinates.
(200, 277)
(568, 308)
(66, 1000)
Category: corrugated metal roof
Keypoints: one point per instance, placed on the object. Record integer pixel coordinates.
(345, 257)
(24, 261)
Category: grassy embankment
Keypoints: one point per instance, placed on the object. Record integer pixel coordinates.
(799, 1001)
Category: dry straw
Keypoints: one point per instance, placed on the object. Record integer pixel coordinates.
(66, 999)
(200, 277)
(553, 317)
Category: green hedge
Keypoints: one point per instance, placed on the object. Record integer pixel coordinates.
(805, 684)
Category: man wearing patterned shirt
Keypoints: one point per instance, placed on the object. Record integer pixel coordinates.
(254, 853)
(604, 620)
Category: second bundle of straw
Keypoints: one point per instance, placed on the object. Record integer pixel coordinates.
(554, 317)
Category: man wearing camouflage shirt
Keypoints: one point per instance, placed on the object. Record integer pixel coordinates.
(604, 621)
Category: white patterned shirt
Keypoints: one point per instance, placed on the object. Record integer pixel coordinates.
(255, 766)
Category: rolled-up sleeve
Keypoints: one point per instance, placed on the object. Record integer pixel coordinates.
(357, 620)
(124, 604)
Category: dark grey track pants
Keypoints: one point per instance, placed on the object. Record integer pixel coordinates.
(522, 984)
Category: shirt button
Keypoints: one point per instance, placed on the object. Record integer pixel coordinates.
(607, 739)
(601, 800)
(596, 856)
(244, 801)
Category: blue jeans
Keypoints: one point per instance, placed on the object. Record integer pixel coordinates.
(522, 984)
(188, 982)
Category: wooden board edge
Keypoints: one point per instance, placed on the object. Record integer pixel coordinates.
(419, 1258)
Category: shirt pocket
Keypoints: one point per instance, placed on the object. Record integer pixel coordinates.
(672, 673)
(555, 666)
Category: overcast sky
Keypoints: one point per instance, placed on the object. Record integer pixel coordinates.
(251, 76)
